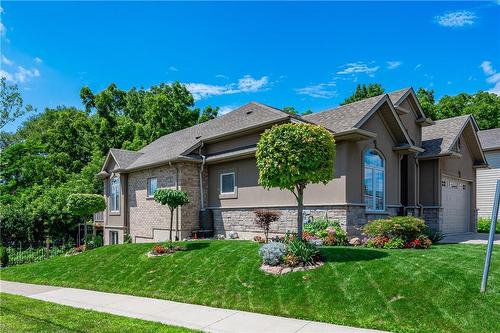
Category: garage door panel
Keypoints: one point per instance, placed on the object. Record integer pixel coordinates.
(455, 198)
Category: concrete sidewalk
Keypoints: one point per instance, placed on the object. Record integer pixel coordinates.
(469, 238)
(173, 313)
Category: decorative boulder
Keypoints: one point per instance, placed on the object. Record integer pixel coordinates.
(220, 237)
(355, 241)
(233, 235)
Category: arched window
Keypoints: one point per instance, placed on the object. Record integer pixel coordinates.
(114, 196)
(374, 181)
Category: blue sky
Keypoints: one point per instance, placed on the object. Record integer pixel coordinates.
(308, 55)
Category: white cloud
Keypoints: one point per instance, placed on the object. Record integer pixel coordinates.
(37, 60)
(487, 67)
(245, 84)
(2, 29)
(394, 64)
(492, 76)
(322, 90)
(7, 61)
(221, 76)
(249, 84)
(226, 109)
(173, 69)
(358, 67)
(418, 66)
(21, 75)
(6, 75)
(456, 19)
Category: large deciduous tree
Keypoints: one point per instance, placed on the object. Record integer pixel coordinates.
(11, 103)
(291, 156)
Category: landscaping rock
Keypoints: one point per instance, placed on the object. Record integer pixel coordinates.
(281, 270)
(233, 235)
(355, 241)
(220, 237)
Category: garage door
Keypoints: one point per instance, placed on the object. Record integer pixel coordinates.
(455, 197)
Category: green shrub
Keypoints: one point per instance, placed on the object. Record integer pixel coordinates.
(329, 231)
(306, 251)
(433, 236)
(272, 253)
(484, 223)
(405, 227)
(98, 241)
(127, 239)
(395, 243)
(4, 257)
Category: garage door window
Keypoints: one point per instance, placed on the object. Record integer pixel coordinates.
(374, 181)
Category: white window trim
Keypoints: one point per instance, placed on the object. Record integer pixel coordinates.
(234, 182)
(112, 195)
(148, 182)
(374, 198)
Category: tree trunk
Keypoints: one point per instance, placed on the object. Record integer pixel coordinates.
(300, 204)
(171, 226)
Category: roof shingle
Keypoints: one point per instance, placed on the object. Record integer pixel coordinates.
(438, 138)
(344, 117)
(171, 146)
(490, 139)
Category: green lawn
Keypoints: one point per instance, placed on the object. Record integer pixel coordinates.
(434, 290)
(22, 314)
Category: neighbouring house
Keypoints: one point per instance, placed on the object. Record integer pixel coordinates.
(487, 177)
(391, 160)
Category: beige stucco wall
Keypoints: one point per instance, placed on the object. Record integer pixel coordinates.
(355, 171)
(251, 194)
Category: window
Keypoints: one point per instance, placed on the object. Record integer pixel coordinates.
(374, 181)
(113, 237)
(115, 194)
(227, 183)
(152, 183)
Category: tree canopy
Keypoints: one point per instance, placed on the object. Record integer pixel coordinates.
(290, 156)
(484, 106)
(59, 151)
(364, 91)
(11, 102)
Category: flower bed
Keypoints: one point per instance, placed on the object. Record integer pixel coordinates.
(398, 232)
(325, 232)
(291, 255)
(160, 250)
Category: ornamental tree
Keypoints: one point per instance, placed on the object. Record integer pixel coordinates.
(290, 156)
(173, 199)
(85, 205)
(264, 218)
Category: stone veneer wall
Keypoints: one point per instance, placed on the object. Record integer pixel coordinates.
(148, 220)
(242, 220)
(433, 217)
